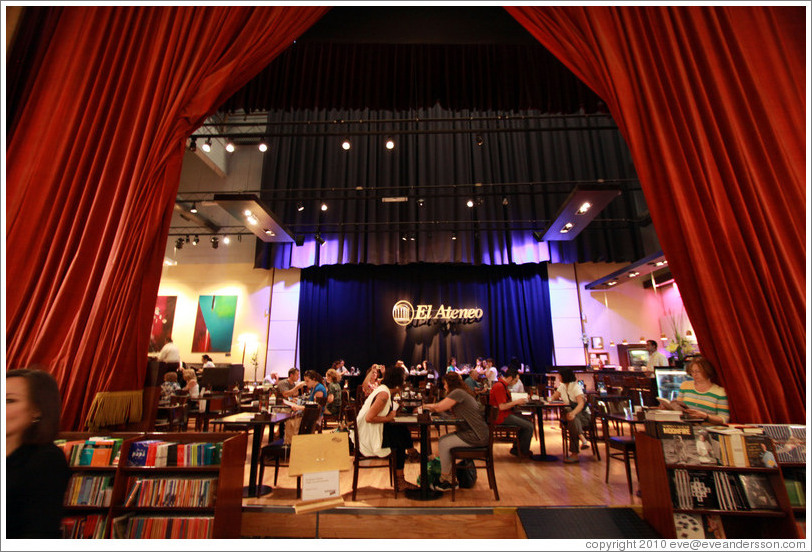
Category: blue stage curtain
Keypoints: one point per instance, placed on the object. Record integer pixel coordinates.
(345, 311)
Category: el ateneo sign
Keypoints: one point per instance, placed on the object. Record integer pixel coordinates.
(405, 314)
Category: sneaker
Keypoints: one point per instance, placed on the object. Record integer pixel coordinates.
(445, 486)
(584, 446)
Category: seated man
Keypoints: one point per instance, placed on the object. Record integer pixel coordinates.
(288, 387)
(500, 398)
(474, 381)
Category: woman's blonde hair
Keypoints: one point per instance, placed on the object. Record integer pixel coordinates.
(189, 374)
(333, 375)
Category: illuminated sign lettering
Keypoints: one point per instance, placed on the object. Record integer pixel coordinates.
(405, 314)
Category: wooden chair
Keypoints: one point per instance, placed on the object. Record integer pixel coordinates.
(278, 451)
(618, 447)
(477, 453)
(358, 457)
(177, 418)
(590, 431)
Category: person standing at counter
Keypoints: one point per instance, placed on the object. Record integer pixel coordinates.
(655, 358)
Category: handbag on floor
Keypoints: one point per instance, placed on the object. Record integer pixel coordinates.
(466, 473)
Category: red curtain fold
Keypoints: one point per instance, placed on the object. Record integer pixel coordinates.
(711, 101)
(93, 169)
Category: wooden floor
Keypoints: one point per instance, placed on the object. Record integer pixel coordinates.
(520, 483)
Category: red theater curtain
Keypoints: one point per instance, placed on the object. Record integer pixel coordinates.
(92, 173)
(712, 103)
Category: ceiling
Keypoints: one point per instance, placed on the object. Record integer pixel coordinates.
(348, 34)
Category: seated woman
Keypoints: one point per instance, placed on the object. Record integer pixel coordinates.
(191, 383)
(315, 383)
(333, 392)
(702, 398)
(471, 432)
(379, 438)
(577, 415)
(371, 380)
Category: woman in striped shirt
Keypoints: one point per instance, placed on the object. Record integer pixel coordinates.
(702, 397)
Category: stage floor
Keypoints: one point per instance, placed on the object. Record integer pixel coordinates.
(521, 483)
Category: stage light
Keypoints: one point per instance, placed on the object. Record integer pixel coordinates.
(193, 144)
(269, 232)
(470, 203)
(567, 228)
(319, 239)
(453, 235)
(420, 202)
(323, 206)
(194, 208)
(633, 274)
(403, 237)
(179, 243)
(263, 147)
(583, 208)
(299, 206)
(187, 238)
(206, 145)
(226, 240)
(230, 147)
(215, 242)
(539, 236)
(346, 144)
(196, 240)
(479, 140)
(390, 144)
(505, 201)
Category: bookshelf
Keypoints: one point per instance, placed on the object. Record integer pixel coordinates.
(210, 495)
(659, 510)
(217, 515)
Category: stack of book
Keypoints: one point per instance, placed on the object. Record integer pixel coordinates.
(159, 453)
(95, 451)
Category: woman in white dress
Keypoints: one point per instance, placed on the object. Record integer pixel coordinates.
(379, 438)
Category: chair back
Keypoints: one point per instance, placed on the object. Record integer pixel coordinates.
(178, 398)
(309, 418)
(601, 411)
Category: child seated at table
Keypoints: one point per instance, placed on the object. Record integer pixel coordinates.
(169, 386)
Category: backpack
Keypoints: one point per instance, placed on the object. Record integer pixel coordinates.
(466, 473)
(433, 469)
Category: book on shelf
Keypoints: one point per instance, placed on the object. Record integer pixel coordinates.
(677, 440)
(789, 441)
(795, 482)
(156, 453)
(689, 526)
(94, 451)
(714, 528)
(169, 527)
(714, 490)
(760, 451)
(177, 492)
(89, 490)
(758, 491)
(92, 526)
(727, 444)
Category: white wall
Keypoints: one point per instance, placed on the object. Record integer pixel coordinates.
(628, 311)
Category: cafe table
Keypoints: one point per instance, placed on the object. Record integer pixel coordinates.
(257, 422)
(540, 406)
(424, 421)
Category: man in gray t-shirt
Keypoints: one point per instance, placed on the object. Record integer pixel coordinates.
(288, 387)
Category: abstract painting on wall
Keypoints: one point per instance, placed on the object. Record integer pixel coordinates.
(214, 326)
(162, 320)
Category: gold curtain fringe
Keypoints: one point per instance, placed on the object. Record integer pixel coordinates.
(114, 407)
